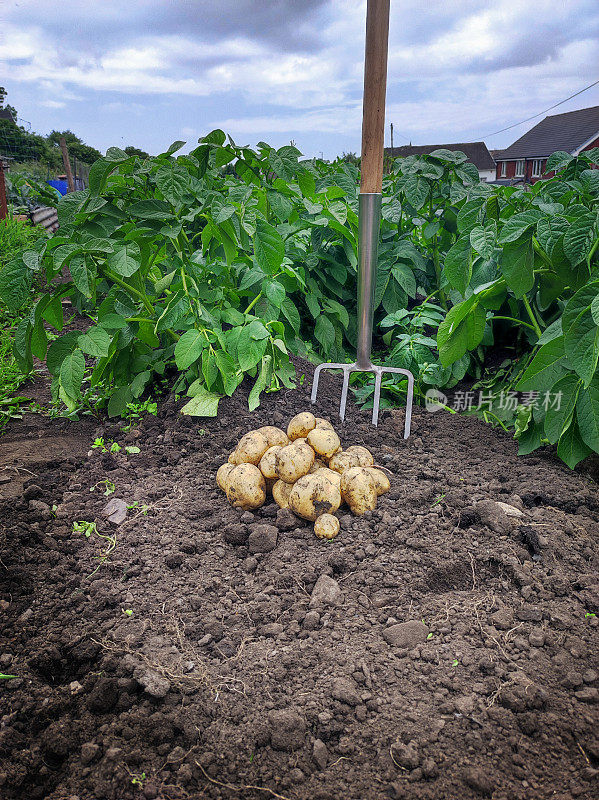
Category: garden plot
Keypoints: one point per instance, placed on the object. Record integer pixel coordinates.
(442, 645)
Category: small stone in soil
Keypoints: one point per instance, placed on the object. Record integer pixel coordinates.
(287, 730)
(115, 511)
(326, 592)
(406, 634)
(262, 538)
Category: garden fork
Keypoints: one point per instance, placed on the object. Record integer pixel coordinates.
(373, 130)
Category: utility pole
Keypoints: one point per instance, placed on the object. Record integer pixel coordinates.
(67, 165)
(391, 140)
(3, 203)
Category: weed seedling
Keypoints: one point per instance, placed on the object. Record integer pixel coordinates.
(84, 527)
(4, 677)
(108, 486)
(589, 614)
(138, 779)
(127, 611)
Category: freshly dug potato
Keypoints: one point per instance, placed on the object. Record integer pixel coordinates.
(318, 464)
(342, 461)
(252, 447)
(364, 456)
(381, 481)
(324, 424)
(312, 496)
(291, 462)
(332, 476)
(301, 425)
(358, 490)
(222, 476)
(267, 462)
(300, 440)
(274, 435)
(234, 458)
(281, 492)
(246, 488)
(324, 442)
(326, 526)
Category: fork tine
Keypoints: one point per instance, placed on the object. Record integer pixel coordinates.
(409, 396)
(344, 394)
(376, 399)
(315, 383)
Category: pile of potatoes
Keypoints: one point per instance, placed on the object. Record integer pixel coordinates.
(305, 469)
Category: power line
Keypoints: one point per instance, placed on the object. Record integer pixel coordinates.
(561, 102)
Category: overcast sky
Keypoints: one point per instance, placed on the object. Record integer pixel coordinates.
(147, 72)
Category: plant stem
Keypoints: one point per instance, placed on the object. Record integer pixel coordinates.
(518, 322)
(131, 289)
(533, 319)
(253, 303)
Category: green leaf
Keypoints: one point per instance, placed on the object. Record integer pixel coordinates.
(587, 414)
(291, 314)
(275, 292)
(580, 237)
(228, 370)
(571, 448)
(391, 210)
(125, 260)
(581, 333)
(117, 404)
(39, 340)
(458, 264)
(249, 349)
(483, 240)
(116, 155)
(98, 175)
(305, 181)
(405, 278)
(269, 247)
(203, 404)
(558, 160)
(52, 313)
(416, 190)
(324, 331)
(150, 209)
(189, 348)
(173, 182)
(95, 342)
(72, 371)
(59, 349)
(281, 205)
(78, 267)
(545, 368)
(517, 225)
(564, 395)
(262, 382)
(517, 266)
(461, 330)
(15, 284)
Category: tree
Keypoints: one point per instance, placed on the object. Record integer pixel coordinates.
(135, 151)
(11, 109)
(77, 148)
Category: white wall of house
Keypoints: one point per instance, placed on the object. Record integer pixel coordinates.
(486, 174)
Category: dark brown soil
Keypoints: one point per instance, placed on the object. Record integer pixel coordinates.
(188, 665)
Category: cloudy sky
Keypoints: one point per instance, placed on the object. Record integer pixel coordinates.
(147, 72)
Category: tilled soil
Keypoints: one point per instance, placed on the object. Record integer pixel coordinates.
(443, 646)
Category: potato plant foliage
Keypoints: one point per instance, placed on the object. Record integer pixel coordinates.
(215, 264)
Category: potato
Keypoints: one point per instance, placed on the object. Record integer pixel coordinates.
(274, 435)
(222, 476)
(293, 461)
(301, 425)
(300, 440)
(342, 461)
(364, 456)
(281, 492)
(381, 481)
(318, 464)
(267, 462)
(326, 526)
(332, 476)
(234, 458)
(252, 447)
(358, 490)
(246, 488)
(324, 442)
(313, 495)
(323, 424)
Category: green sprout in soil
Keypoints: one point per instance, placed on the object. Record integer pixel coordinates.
(455, 662)
(135, 411)
(590, 614)
(89, 528)
(114, 447)
(4, 677)
(107, 485)
(128, 612)
(138, 779)
(438, 499)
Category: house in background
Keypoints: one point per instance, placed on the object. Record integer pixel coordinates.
(476, 151)
(524, 160)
